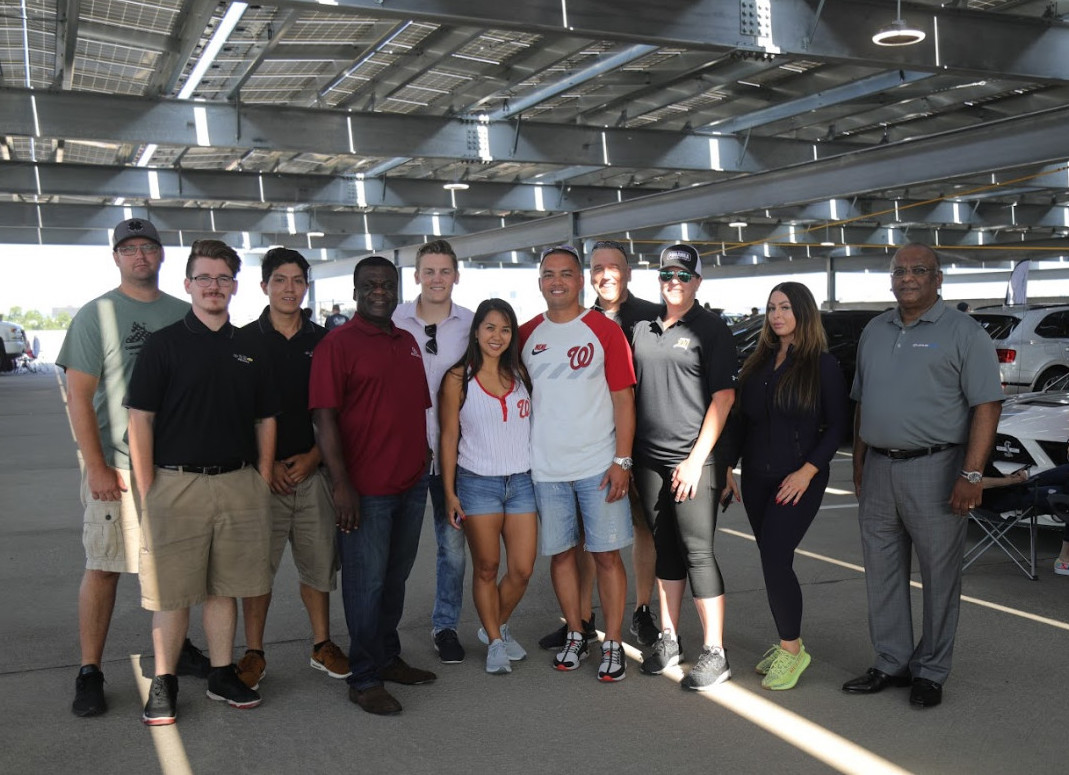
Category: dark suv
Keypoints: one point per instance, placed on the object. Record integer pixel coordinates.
(842, 326)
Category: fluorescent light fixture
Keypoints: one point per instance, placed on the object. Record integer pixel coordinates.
(827, 244)
(147, 154)
(738, 224)
(315, 234)
(215, 44)
(456, 185)
(898, 32)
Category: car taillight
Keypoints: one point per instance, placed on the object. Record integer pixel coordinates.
(1006, 356)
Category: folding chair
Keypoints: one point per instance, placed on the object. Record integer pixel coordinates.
(996, 526)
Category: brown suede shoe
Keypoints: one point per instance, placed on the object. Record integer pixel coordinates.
(375, 700)
(400, 672)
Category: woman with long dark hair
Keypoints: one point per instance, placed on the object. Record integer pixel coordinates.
(791, 417)
(485, 415)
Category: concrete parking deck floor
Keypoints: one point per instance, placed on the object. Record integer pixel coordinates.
(1003, 711)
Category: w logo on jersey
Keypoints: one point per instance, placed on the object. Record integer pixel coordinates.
(581, 357)
(524, 405)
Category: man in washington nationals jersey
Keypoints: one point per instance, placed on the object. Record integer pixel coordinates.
(583, 423)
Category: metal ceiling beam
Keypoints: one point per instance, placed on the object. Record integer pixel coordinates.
(31, 179)
(67, 22)
(276, 33)
(190, 26)
(88, 116)
(127, 36)
(1026, 140)
(958, 40)
(834, 96)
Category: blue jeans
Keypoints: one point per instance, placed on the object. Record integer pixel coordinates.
(451, 562)
(375, 562)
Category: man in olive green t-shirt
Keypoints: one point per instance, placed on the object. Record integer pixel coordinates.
(98, 355)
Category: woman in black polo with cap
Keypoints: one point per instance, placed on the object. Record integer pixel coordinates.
(685, 370)
(791, 416)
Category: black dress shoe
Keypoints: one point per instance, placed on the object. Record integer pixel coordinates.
(875, 681)
(925, 693)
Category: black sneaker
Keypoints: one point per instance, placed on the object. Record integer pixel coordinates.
(89, 692)
(710, 669)
(667, 652)
(225, 685)
(643, 627)
(193, 662)
(555, 640)
(447, 644)
(162, 706)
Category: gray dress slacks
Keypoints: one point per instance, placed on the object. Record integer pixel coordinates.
(904, 505)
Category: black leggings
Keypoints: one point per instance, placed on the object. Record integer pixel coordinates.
(778, 530)
(682, 532)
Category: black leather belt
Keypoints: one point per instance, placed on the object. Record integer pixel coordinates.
(207, 470)
(909, 454)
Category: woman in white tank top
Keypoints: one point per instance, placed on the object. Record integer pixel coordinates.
(484, 409)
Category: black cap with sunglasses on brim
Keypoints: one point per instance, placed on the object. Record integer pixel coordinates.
(683, 257)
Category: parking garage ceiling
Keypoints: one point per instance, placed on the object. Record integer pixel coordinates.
(353, 126)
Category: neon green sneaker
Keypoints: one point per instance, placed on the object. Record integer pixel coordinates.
(767, 660)
(785, 670)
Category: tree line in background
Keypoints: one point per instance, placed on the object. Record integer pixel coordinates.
(38, 321)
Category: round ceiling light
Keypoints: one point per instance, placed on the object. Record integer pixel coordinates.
(898, 33)
(738, 224)
(456, 185)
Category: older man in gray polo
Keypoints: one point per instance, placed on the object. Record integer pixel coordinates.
(929, 398)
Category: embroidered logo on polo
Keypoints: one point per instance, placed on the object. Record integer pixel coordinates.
(682, 343)
(579, 357)
(242, 358)
(415, 353)
(524, 405)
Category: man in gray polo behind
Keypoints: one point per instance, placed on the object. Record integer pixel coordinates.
(929, 398)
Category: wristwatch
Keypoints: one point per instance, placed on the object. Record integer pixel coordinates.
(624, 462)
(973, 477)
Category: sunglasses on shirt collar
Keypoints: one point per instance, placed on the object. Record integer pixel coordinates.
(432, 343)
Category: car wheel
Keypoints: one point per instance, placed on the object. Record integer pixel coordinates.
(1049, 376)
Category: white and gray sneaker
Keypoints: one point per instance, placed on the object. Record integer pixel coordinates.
(497, 660)
(612, 662)
(515, 651)
(710, 669)
(667, 652)
(574, 652)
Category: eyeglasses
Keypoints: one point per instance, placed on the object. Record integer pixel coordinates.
(432, 344)
(133, 250)
(205, 280)
(916, 271)
(667, 275)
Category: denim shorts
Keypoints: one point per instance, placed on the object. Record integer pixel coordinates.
(512, 494)
(607, 526)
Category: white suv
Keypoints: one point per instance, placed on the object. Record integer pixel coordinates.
(14, 338)
(1032, 344)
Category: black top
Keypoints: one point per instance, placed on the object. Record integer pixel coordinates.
(291, 365)
(633, 310)
(207, 389)
(678, 370)
(774, 441)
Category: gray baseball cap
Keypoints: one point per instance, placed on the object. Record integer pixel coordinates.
(135, 227)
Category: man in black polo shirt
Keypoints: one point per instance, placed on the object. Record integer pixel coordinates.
(201, 411)
(302, 510)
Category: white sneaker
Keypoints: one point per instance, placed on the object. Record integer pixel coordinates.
(497, 660)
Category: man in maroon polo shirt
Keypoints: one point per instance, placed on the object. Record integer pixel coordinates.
(368, 394)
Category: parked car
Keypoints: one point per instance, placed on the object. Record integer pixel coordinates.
(14, 344)
(1032, 342)
(1033, 431)
(842, 326)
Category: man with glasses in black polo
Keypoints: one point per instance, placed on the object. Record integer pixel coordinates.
(441, 328)
(98, 356)
(202, 443)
